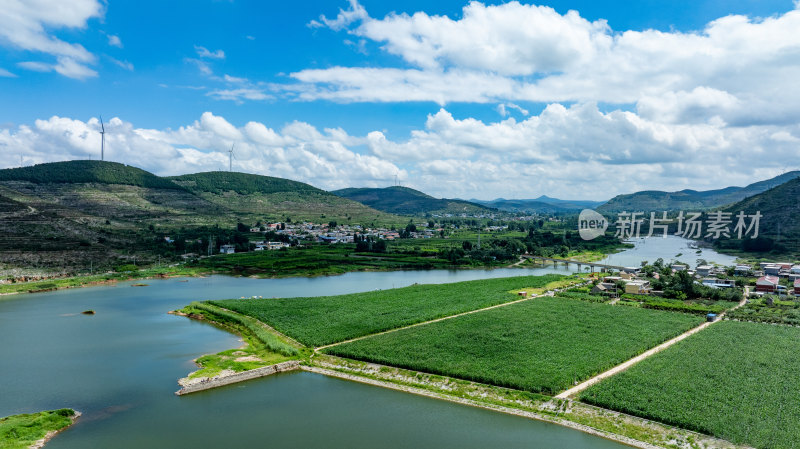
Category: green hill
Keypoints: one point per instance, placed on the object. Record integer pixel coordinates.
(690, 200)
(63, 215)
(278, 197)
(219, 182)
(75, 172)
(779, 229)
(407, 201)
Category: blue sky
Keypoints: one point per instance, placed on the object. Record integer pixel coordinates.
(405, 92)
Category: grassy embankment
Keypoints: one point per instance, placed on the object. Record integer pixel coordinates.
(544, 345)
(737, 381)
(263, 346)
(21, 431)
(319, 321)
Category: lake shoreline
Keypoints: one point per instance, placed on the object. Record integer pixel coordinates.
(203, 274)
(483, 405)
(51, 434)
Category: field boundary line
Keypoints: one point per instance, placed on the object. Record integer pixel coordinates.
(627, 364)
(516, 301)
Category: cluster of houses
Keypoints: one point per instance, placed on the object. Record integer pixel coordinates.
(768, 278)
(770, 275)
(633, 284)
(336, 234)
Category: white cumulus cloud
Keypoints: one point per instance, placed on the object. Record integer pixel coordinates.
(28, 24)
(577, 152)
(740, 69)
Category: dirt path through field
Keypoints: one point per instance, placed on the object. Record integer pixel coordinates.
(572, 392)
(319, 348)
(518, 263)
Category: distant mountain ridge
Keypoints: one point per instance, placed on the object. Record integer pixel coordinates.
(407, 201)
(656, 200)
(543, 204)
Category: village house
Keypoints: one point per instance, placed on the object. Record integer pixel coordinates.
(639, 286)
(772, 269)
(742, 270)
(261, 246)
(227, 249)
(719, 283)
(704, 270)
(797, 287)
(767, 284)
(679, 267)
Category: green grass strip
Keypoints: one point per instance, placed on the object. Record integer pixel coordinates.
(21, 431)
(267, 338)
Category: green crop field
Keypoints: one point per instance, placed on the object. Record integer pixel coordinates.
(544, 345)
(736, 381)
(323, 320)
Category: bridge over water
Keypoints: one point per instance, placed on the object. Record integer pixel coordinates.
(567, 262)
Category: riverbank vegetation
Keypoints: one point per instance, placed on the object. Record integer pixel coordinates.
(736, 381)
(542, 345)
(263, 345)
(22, 431)
(323, 320)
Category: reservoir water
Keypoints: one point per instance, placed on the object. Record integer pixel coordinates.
(672, 249)
(120, 366)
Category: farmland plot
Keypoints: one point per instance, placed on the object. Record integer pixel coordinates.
(322, 320)
(543, 345)
(736, 381)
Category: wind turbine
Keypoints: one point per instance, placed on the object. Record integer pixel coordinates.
(230, 158)
(102, 139)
